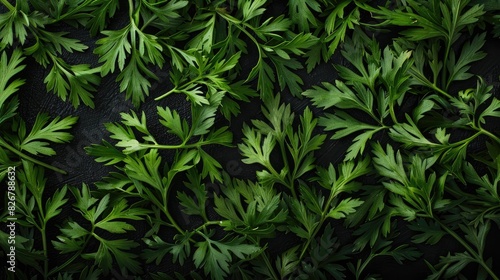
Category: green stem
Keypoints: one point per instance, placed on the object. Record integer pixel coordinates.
(167, 94)
(26, 157)
(361, 268)
(444, 80)
(204, 216)
(379, 120)
(172, 220)
(316, 230)
(436, 88)
(277, 175)
(172, 147)
(181, 146)
(467, 247)
(164, 195)
(321, 221)
(452, 31)
(425, 82)
(466, 141)
(243, 29)
(70, 260)
(131, 9)
(269, 266)
(38, 199)
(45, 254)
(443, 77)
(8, 5)
(180, 89)
(207, 223)
(393, 114)
(291, 176)
(163, 205)
(74, 11)
(294, 194)
(489, 134)
(150, 20)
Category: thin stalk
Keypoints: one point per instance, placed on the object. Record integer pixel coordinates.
(294, 175)
(379, 120)
(464, 141)
(74, 11)
(278, 176)
(316, 230)
(172, 220)
(321, 221)
(172, 147)
(451, 34)
(361, 268)
(150, 20)
(163, 205)
(204, 216)
(427, 83)
(468, 248)
(8, 5)
(167, 94)
(70, 260)
(444, 77)
(489, 134)
(291, 176)
(264, 257)
(436, 88)
(243, 29)
(176, 89)
(131, 9)
(27, 157)
(44, 236)
(269, 266)
(203, 227)
(393, 114)
(45, 254)
(180, 146)
(294, 193)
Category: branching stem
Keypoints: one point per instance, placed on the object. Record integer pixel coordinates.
(70, 260)
(469, 249)
(491, 135)
(323, 217)
(22, 155)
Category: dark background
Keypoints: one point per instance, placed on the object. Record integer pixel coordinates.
(110, 102)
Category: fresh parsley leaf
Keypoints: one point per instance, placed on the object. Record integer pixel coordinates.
(9, 67)
(36, 141)
(215, 256)
(80, 80)
(260, 217)
(344, 208)
(100, 14)
(301, 14)
(96, 212)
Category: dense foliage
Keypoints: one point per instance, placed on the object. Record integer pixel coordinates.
(424, 152)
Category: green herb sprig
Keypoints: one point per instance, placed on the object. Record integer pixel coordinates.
(422, 156)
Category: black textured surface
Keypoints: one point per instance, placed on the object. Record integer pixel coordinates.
(109, 103)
